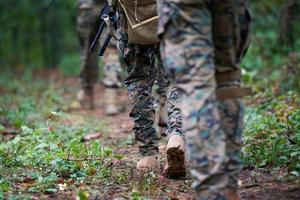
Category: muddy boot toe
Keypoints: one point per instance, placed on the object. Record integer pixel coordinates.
(175, 167)
(148, 163)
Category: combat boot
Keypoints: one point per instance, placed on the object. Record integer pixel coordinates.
(175, 167)
(110, 98)
(86, 98)
(232, 194)
(148, 163)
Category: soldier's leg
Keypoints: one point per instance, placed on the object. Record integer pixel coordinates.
(112, 79)
(231, 111)
(139, 82)
(215, 180)
(86, 29)
(175, 147)
(227, 59)
(188, 52)
(139, 61)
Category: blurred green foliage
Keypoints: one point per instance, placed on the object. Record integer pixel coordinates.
(266, 49)
(268, 61)
(70, 65)
(272, 132)
(272, 68)
(36, 35)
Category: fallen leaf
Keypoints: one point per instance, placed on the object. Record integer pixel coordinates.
(90, 137)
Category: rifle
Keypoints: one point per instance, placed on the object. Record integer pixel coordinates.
(108, 19)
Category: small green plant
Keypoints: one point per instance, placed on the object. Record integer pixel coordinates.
(136, 196)
(272, 133)
(44, 152)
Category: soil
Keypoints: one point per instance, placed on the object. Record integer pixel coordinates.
(255, 184)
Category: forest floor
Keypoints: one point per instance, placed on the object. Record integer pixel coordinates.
(111, 173)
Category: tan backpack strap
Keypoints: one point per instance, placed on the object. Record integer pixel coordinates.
(135, 10)
(232, 93)
(223, 77)
(145, 22)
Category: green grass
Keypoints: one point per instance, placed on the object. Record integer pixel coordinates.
(272, 118)
(272, 132)
(37, 159)
(41, 156)
(40, 143)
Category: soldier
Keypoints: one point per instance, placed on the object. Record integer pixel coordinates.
(202, 45)
(87, 26)
(140, 53)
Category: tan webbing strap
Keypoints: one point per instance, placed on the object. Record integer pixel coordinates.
(232, 93)
(223, 77)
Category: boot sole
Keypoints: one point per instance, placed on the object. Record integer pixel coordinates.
(176, 165)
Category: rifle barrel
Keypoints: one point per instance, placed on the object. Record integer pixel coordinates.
(100, 30)
(104, 46)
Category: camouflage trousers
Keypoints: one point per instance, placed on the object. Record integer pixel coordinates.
(87, 26)
(202, 39)
(144, 67)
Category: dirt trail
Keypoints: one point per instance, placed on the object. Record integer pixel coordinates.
(254, 184)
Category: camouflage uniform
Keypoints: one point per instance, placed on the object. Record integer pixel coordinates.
(203, 42)
(87, 26)
(143, 64)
